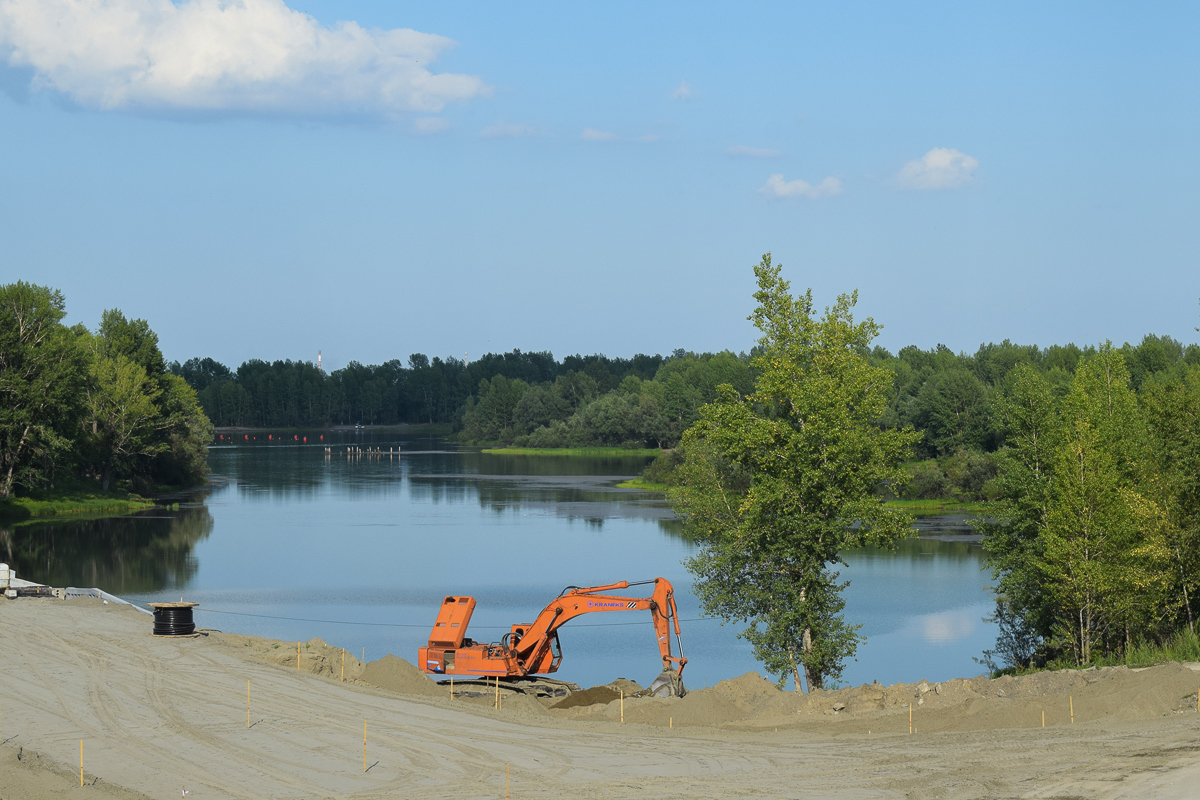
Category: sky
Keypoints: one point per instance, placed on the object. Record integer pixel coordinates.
(373, 179)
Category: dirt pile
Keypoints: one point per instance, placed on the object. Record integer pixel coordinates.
(751, 702)
(397, 675)
(599, 695)
(316, 656)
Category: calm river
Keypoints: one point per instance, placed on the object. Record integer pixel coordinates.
(290, 544)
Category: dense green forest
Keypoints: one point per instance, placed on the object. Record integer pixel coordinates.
(1093, 532)
(90, 407)
(534, 400)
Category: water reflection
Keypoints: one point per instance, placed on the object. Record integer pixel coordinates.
(371, 543)
(135, 554)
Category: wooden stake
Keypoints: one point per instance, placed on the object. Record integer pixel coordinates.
(364, 745)
(1043, 717)
(622, 705)
(1072, 698)
(910, 718)
(451, 687)
(671, 722)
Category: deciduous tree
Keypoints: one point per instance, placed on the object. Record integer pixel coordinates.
(42, 370)
(777, 484)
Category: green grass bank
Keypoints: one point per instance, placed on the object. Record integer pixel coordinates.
(72, 502)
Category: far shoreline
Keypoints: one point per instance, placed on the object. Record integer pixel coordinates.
(423, 428)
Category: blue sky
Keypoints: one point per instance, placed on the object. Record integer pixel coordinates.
(257, 180)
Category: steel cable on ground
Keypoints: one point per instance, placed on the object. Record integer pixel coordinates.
(426, 627)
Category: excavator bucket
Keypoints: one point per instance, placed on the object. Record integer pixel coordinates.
(669, 683)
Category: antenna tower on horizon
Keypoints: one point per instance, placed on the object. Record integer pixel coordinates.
(319, 367)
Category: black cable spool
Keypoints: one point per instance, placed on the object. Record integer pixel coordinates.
(173, 619)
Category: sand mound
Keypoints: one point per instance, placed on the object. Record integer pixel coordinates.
(751, 702)
(397, 675)
(316, 656)
(627, 686)
(522, 705)
(747, 688)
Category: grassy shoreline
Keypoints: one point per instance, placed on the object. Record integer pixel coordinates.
(71, 503)
(570, 451)
(644, 485)
(908, 505)
(936, 505)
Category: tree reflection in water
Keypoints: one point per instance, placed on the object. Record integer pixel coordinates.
(135, 554)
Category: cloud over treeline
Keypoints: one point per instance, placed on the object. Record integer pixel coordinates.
(240, 55)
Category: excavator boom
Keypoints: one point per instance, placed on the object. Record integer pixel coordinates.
(533, 648)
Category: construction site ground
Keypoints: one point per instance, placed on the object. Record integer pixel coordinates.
(160, 716)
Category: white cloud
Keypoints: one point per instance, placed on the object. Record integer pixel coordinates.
(430, 124)
(682, 91)
(504, 129)
(752, 152)
(940, 168)
(593, 135)
(776, 186)
(242, 55)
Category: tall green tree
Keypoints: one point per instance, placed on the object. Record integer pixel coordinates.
(1102, 554)
(1028, 414)
(42, 371)
(777, 484)
(1172, 409)
(123, 416)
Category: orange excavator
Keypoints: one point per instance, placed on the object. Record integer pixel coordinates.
(532, 649)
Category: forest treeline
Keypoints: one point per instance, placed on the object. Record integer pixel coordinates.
(532, 399)
(518, 397)
(90, 406)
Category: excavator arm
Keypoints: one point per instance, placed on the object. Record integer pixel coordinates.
(532, 648)
(531, 644)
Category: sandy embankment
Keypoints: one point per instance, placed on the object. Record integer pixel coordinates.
(156, 715)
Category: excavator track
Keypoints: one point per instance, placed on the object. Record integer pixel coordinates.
(533, 685)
